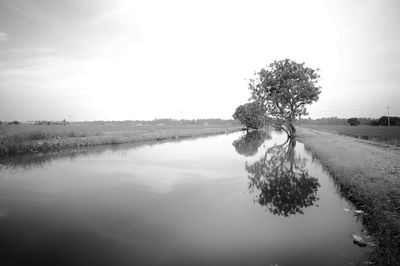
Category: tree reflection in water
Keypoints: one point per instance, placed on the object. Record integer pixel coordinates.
(249, 143)
(282, 181)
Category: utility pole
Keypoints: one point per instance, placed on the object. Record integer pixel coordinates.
(388, 117)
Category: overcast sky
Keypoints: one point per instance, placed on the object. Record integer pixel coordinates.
(102, 60)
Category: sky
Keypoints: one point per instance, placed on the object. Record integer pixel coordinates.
(140, 60)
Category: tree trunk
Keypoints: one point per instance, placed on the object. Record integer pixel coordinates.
(292, 130)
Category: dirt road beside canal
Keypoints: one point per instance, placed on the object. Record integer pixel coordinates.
(368, 174)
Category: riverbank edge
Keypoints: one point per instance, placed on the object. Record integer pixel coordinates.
(57, 144)
(379, 218)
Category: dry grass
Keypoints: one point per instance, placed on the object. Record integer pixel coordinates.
(388, 135)
(17, 139)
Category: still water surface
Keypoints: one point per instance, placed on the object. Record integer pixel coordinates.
(224, 200)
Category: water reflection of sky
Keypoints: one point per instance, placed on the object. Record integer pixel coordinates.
(158, 167)
(181, 202)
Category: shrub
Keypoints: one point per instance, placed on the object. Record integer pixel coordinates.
(249, 115)
(353, 121)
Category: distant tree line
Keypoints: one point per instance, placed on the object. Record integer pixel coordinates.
(37, 123)
(354, 121)
(165, 121)
(15, 122)
(322, 121)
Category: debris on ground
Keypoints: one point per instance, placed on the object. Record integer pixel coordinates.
(359, 240)
(358, 212)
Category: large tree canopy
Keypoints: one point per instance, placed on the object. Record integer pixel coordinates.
(283, 90)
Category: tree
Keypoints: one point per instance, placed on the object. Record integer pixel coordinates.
(353, 121)
(283, 90)
(394, 121)
(250, 115)
(15, 122)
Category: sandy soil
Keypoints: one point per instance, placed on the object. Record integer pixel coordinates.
(368, 174)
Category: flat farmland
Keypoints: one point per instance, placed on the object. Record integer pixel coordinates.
(388, 135)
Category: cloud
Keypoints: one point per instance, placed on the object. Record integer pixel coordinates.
(3, 37)
(71, 28)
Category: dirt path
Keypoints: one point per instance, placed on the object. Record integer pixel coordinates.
(368, 173)
(371, 159)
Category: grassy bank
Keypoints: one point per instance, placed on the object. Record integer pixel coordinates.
(19, 139)
(369, 176)
(383, 134)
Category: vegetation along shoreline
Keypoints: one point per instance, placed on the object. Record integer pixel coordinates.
(368, 175)
(32, 139)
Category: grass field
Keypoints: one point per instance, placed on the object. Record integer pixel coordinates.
(388, 135)
(17, 139)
